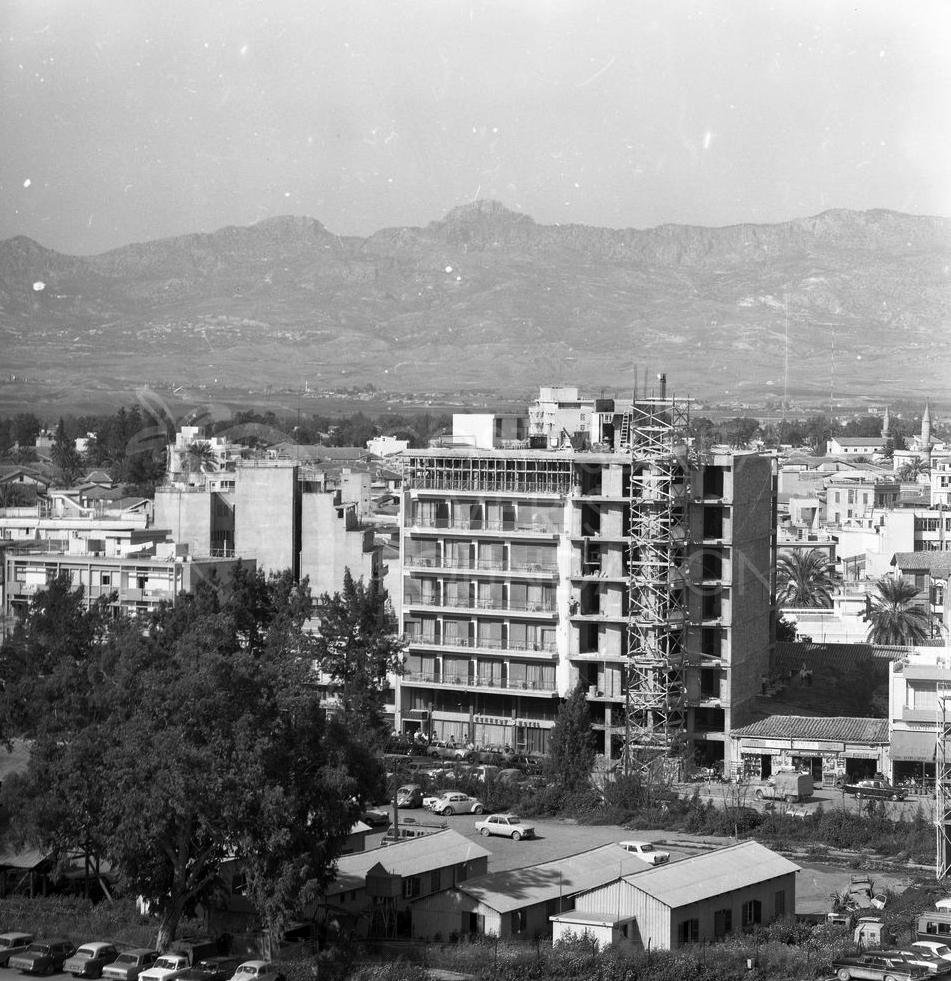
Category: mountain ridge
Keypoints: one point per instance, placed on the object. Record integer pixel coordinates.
(486, 296)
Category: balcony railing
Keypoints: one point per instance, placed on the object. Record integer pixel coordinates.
(488, 605)
(487, 643)
(507, 684)
(480, 565)
(470, 524)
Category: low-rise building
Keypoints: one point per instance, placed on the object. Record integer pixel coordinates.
(831, 749)
(519, 903)
(854, 446)
(697, 900)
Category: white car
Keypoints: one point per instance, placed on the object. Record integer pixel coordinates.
(167, 968)
(257, 971)
(510, 825)
(933, 965)
(933, 948)
(454, 803)
(646, 851)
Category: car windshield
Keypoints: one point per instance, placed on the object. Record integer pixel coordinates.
(169, 962)
(39, 949)
(85, 952)
(941, 951)
(247, 969)
(646, 848)
(126, 959)
(513, 819)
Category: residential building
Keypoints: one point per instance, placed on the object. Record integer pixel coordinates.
(219, 456)
(386, 445)
(333, 539)
(197, 516)
(519, 903)
(140, 579)
(866, 446)
(914, 680)
(375, 889)
(518, 584)
(930, 574)
(267, 514)
(853, 496)
(940, 478)
(696, 900)
(832, 749)
(557, 414)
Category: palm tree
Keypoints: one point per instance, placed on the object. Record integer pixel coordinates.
(805, 579)
(913, 469)
(200, 457)
(894, 617)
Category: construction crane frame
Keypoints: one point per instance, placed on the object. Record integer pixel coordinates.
(942, 813)
(655, 435)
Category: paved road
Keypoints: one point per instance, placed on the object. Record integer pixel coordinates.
(556, 839)
(7, 975)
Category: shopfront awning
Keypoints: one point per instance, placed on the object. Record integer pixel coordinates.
(914, 746)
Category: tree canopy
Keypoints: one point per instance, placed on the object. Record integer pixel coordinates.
(805, 579)
(896, 616)
(571, 749)
(169, 745)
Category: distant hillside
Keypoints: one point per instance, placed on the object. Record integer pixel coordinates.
(486, 297)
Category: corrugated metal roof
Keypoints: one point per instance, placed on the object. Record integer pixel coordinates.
(704, 876)
(842, 728)
(513, 889)
(413, 856)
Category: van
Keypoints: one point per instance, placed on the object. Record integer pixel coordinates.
(934, 925)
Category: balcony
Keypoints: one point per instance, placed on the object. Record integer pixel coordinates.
(432, 604)
(536, 529)
(483, 684)
(488, 645)
(546, 569)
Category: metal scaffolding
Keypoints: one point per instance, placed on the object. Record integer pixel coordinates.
(942, 813)
(654, 434)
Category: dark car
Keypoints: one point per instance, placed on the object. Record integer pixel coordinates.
(211, 969)
(376, 817)
(409, 795)
(90, 959)
(878, 966)
(874, 788)
(43, 957)
(528, 764)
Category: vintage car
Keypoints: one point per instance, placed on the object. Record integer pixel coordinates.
(409, 795)
(13, 943)
(90, 959)
(211, 969)
(42, 957)
(454, 803)
(257, 971)
(508, 825)
(168, 967)
(874, 788)
(933, 948)
(130, 964)
(448, 751)
(646, 851)
(875, 964)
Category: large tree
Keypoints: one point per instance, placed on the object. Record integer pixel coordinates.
(571, 748)
(805, 579)
(357, 647)
(896, 616)
(170, 745)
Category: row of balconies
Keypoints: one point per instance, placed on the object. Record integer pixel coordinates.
(488, 644)
(440, 680)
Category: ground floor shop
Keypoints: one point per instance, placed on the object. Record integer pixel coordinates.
(832, 750)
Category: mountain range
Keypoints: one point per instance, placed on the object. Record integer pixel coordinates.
(855, 302)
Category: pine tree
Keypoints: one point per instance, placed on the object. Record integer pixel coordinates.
(571, 750)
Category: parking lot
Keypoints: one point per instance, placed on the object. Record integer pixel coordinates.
(557, 839)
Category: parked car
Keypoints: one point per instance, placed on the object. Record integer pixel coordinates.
(130, 964)
(257, 971)
(511, 775)
(90, 959)
(509, 825)
(933, 965)
(13, 943)
(448, 751)
(646, 851)
(787, 785)
(874, 788)
(933, 948)
(409, 795)
(455, 803)
(168, 967)
(878, 967)
(375, 817)
(212, 969)
(42, 957)
(528, 764)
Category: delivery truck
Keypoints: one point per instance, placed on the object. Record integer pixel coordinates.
(787, 786)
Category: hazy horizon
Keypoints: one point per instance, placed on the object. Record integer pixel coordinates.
(130, 123)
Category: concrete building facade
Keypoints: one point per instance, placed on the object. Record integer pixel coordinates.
(516, 588)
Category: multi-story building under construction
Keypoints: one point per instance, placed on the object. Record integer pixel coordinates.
(630, 566)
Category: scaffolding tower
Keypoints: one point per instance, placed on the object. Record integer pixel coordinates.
(654, 433)
(942, 784)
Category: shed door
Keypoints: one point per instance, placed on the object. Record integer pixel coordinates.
(473, 923)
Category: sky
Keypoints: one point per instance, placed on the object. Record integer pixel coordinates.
(128, 120)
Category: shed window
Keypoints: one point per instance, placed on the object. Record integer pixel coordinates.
(688, 931)
(779, 904)
(752, 912)
(518, 921)
(411, 887)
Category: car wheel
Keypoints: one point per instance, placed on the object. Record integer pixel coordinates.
(844, 974)
(759, 794)
(448, 812)
(516, 836)
(484, 832)
(890, 977)
(895, 797)
(858, 796)
(477, 809)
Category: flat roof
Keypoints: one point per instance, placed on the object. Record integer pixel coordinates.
(515, 888)
(692, 880)
(597, 919)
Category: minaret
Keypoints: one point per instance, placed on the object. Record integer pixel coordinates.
(924, 441)
(886, 423)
